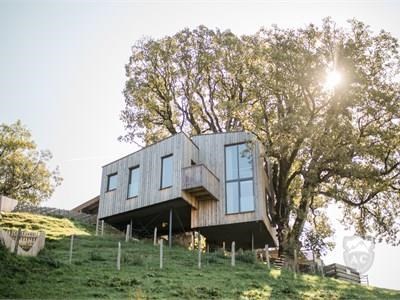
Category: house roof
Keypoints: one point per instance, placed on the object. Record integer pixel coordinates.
(88, 203)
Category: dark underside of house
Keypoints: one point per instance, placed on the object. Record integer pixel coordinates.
(144, 220)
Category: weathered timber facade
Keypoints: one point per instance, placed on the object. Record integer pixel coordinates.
(198, 190)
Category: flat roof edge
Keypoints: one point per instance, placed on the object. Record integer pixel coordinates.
(179, 133)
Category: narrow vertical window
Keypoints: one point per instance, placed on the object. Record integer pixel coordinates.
(231, 154)
(245, 162)
(246, 195)
(232, 197)
(111, 182)
(239, 179)
(166, 171)
(133, 185)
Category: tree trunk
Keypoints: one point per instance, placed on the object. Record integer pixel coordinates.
(289, 238)
(287, 241)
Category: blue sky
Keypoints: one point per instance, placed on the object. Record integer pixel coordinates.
(62, 73)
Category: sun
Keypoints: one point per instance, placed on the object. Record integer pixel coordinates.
(333, 78)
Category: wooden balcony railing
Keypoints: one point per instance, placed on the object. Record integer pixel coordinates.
(199, 181)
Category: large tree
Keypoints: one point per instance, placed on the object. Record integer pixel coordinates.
(325, 143)
(24, 174)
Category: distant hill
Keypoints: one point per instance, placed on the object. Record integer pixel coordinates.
(93, 273)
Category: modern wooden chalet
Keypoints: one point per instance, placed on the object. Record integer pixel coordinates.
(212, 183)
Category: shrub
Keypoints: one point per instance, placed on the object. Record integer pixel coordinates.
(220, 253)
(215, 258)
(247, 257)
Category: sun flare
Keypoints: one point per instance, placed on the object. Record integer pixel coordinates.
(333, 78)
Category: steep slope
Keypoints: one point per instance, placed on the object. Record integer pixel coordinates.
(93, 273)
(55, 228)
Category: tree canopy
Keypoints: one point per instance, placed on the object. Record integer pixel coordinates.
(324, 143)
(24, 175)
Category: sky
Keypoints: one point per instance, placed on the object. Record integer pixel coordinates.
(62, 74)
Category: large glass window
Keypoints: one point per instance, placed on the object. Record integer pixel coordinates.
(166, 171)
(239, 179)
(133, 185)
(111, 182)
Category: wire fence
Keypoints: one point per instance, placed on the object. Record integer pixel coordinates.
(120, 251)
(117, 253)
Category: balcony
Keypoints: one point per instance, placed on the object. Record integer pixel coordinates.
(199, 181)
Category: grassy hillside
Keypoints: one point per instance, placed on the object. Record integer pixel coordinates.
(93, 273)
(55, 228)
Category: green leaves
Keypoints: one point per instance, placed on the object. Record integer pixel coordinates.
(188, 82)
(23, 172)
(340, 142)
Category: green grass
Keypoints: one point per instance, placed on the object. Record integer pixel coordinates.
(93, 274)
(55, 228)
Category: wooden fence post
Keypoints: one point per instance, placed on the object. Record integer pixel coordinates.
(223, 246)
(267, 256)
(71, 246)
(155, 236)
(97, 227)
(252, 242)
(128, 229)
(170, 229)
(233, 254)
(161, 253)
(119, 257)
(199, 254)
(102, 227)
(17, 241)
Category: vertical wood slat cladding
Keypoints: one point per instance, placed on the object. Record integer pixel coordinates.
(208, 150)
(149, 162)
(212, 154)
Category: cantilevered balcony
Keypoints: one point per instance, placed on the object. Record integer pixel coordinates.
(199, 181)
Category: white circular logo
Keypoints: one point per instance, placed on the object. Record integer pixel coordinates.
(358, 253)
